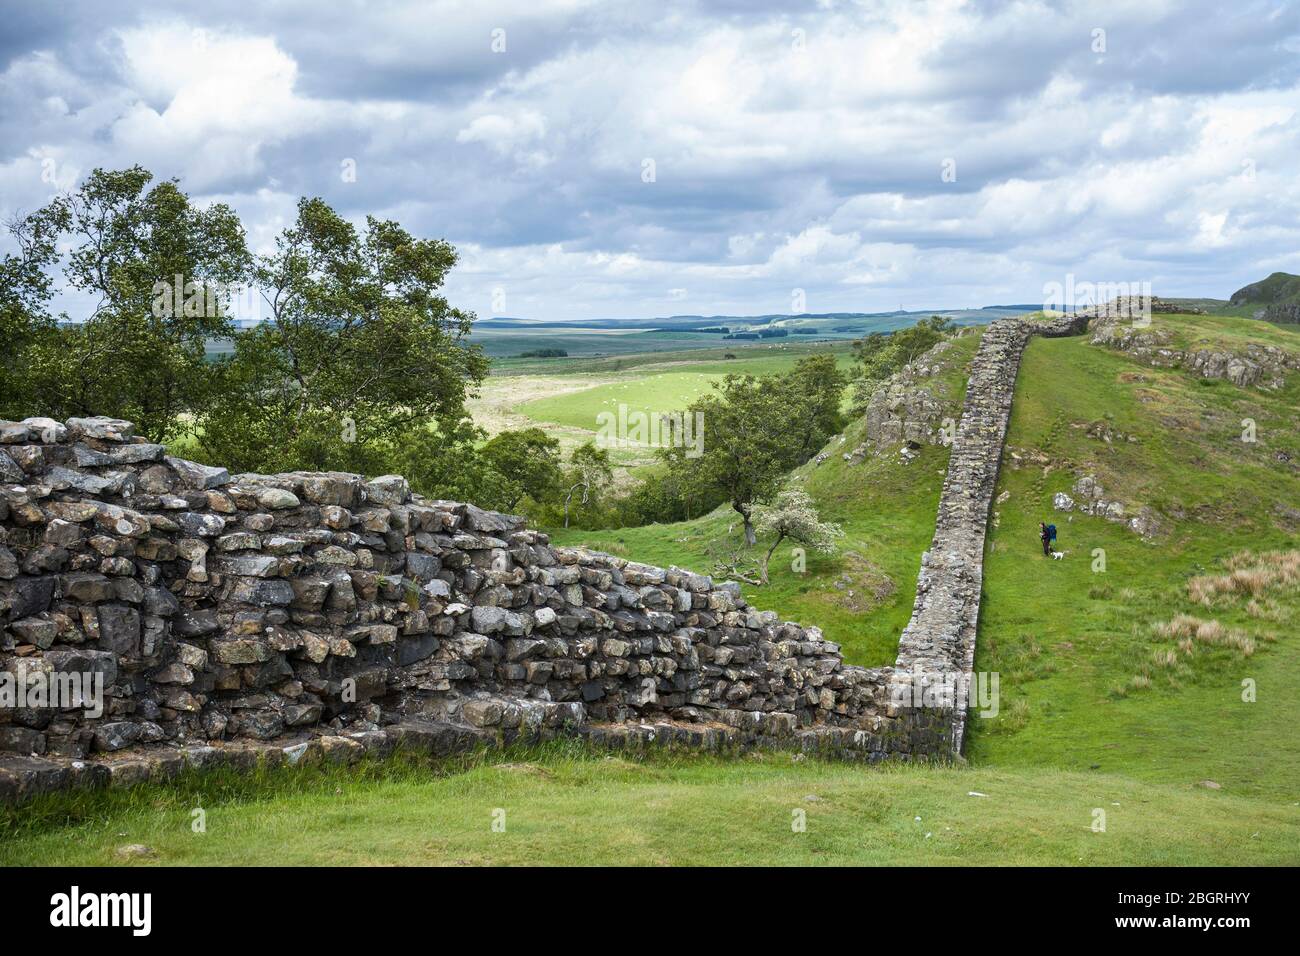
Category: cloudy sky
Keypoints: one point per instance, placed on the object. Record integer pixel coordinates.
(595, 159)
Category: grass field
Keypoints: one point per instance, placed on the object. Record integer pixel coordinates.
(563, 806)
(1075, 639)
(655, 392)
(566, 396)
(1099, 709)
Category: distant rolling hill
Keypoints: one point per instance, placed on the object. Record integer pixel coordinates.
(1280, 287)
(1275, 299)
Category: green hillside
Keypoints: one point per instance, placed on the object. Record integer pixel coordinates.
(1278, 287)
(1087, 680)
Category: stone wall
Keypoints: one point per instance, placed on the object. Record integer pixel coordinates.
(937, 648)
(220, 608)
(265, 617)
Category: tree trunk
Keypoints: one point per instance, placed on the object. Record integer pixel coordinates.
(567, 499)
(762, 568)
(751, 539)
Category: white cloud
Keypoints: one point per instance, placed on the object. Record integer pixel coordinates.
(812, 164)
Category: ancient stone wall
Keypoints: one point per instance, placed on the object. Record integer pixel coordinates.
(937, 648)
(264, 617)
(219, 608)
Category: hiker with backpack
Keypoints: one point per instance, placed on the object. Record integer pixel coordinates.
(1047, 534)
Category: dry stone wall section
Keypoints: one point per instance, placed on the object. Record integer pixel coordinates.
(936, 653)
(221, 613)
(156, 613)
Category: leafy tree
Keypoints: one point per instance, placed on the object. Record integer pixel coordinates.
(749, 443)
(663, 495)
(445, 462)
(755, 431)
(815, 387)
(529, 460)
(26, 288)
(589, 472)
(793, 516)
(880, 355)
(361, 351)
(135, 356)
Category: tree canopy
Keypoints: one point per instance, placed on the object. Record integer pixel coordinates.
(130, 357)
(754, 431)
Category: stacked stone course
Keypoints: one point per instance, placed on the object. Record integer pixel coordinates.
(222, 609)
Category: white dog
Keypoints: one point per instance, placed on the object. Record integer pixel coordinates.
(1058, 555)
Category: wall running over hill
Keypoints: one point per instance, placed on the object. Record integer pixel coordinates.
(265, 617)
(937, 648)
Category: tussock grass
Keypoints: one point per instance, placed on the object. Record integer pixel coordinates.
(1248, 575)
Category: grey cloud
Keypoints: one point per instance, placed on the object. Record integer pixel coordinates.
(767, 177)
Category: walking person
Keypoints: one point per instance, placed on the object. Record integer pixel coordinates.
(1044, 537)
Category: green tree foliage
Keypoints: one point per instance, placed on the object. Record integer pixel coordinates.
(362, 352)
(136, 355)
(26, 288)
(880, 355)
(529, 460)
(662, 495)
(755, 431)
(815, 386)
(456, 463)
(445, 462)
(588, 475)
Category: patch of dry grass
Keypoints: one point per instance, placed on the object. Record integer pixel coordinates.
(1248, 575)
(1189, 630)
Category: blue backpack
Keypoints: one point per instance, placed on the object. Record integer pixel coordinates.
(1051, 532)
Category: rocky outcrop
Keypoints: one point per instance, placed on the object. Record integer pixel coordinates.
(1283, 312)
(1089, 498)
(909, 406)
(213, 609)
(1257, 364)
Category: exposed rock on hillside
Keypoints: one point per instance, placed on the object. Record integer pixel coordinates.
(1257, 364)
(909, 407)
(1089, 499)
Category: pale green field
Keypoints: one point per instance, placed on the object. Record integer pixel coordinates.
(568, 403)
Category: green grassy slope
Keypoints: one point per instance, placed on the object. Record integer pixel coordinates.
(1278, 287)
(862, 596)
(1075, 648)
(1072, 640)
